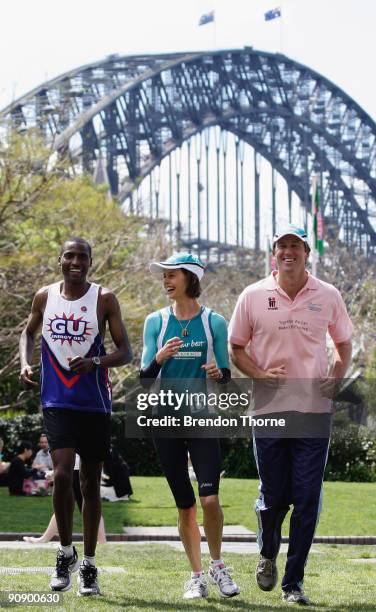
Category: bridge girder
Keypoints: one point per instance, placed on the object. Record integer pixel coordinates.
(135, 110)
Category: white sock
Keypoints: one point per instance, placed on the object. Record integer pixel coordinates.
(216, 562)
(197, 574)
(67, 550)
(90, 560)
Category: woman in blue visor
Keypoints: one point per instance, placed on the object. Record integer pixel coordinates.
(187, 341)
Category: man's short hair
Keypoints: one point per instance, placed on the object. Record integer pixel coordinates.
(80, 241)
(24, 445)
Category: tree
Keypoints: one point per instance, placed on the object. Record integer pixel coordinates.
(40, 207)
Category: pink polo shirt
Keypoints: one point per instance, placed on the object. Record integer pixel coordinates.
(276, 330)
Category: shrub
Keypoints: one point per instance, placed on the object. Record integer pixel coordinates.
(352, 454)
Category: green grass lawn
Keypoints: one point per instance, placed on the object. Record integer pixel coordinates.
(349, 508)
(155, 576)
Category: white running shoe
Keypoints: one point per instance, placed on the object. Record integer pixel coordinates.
(196, 588)
(61, 579)
(220, 575)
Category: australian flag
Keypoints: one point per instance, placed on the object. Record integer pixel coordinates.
(273, 14)
(206, 18)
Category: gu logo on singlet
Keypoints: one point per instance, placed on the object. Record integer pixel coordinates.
(69, 329)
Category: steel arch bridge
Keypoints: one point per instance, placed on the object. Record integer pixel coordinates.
(132, 112)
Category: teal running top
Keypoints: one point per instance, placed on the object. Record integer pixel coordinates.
(206, 342)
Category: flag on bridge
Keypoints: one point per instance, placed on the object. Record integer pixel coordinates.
(273, 14)
(206, 18)
(317, 219)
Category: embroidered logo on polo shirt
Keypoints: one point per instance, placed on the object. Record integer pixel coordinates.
(315, 307)
(272, 304)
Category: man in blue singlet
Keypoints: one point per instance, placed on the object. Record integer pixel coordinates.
(75, 396)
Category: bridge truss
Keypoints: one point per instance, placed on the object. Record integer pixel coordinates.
(127, 114)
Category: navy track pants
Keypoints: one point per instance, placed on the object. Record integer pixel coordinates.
(291, 471)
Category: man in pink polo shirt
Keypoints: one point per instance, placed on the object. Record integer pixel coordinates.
(277, 334)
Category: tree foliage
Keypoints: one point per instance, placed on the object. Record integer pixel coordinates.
(355, 278)
(39, 209)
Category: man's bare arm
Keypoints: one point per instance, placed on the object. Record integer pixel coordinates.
(123, 353)
(28, 335)
(244, 363)
(341, 360)
(331, 385)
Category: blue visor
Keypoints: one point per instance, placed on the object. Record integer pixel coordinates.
(180, 260)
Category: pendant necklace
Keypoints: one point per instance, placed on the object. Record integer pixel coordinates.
(184, 329)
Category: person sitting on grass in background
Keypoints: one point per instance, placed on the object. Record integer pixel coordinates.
(4, 467)
(117, 485)
(43, 460)
(18, 472)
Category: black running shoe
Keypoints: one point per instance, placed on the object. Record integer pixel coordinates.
(87, 580)
(61, 578)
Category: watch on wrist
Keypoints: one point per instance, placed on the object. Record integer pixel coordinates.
(96, 361)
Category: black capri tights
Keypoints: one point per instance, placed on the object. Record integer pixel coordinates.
(206, 461)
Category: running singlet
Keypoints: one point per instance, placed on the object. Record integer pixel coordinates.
(207, 338)
(70, 329)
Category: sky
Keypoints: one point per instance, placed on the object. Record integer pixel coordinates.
(41, 39)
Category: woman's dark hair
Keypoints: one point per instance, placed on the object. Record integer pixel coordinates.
(193, 289)
(24, 445)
